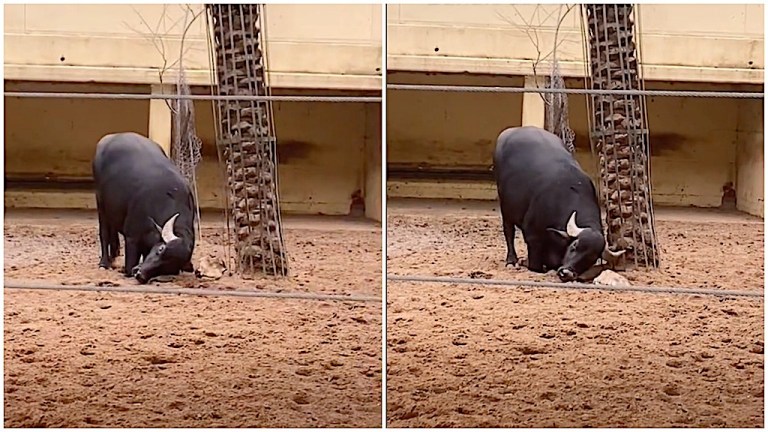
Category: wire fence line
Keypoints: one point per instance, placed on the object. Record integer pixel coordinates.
(145, 96)
(576, 286)
(225, 292)
(370, 99)
(488, 89)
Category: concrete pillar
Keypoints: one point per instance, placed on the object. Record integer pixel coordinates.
(750, 159)
(160, 120)
(533, 104)
(373, 169)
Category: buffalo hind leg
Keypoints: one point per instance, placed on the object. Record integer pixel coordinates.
(114, 245)
(509, 236)
(106, 259)
(105, 241)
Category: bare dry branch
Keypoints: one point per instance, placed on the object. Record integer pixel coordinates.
(530, 29)
(157, 38)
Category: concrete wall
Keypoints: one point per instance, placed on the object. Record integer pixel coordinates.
(322, 156)
(698, 144)
(694, 143)
(58, 136)
(706, 43)
(327, 151)
(447, 128)
(321, 147)
(308, 46)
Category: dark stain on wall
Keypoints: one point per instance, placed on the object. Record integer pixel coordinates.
(661, 143)
(357, 204)
(581, 142)
(728, 200)
(485, 144)
(289, 150)
(208, 149)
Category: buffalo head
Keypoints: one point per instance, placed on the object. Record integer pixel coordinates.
(585, 246)
(167, 257)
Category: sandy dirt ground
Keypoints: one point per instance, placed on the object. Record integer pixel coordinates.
(89, 359)
(472, 356)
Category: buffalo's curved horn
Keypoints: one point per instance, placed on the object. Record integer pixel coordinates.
(572, 229)
(611, 256)
(167, 232)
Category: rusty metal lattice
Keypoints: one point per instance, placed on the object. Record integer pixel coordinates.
(619, 133)
(246, 139)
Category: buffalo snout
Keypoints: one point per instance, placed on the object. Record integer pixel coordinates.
(566, 274)
(143, 279)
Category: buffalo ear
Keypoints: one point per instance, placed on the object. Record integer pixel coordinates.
(188, 267)
(159, 230)
(562, 233)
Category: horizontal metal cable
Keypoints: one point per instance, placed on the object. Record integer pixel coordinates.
(146, 289)
(575, 286)
(145, 96)
(484, 89)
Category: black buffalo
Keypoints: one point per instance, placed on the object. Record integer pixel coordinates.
(543, 191)
(141, 195)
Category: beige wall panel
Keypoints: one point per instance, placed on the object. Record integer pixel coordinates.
(708, 20)
(722, 43)
(448, 128)
(309, 46)
(324, 58)
(113, 20)
(59, 136)
(13, 18)
(100, 54)
(317, 22)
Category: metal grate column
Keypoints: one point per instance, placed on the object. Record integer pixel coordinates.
(619, 133)
(246, 139)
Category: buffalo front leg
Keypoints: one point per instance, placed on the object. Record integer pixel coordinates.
(536, 257)
(509, 236)
(132, 255)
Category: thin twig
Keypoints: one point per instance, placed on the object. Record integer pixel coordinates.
(530, 30)
(158, 39)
